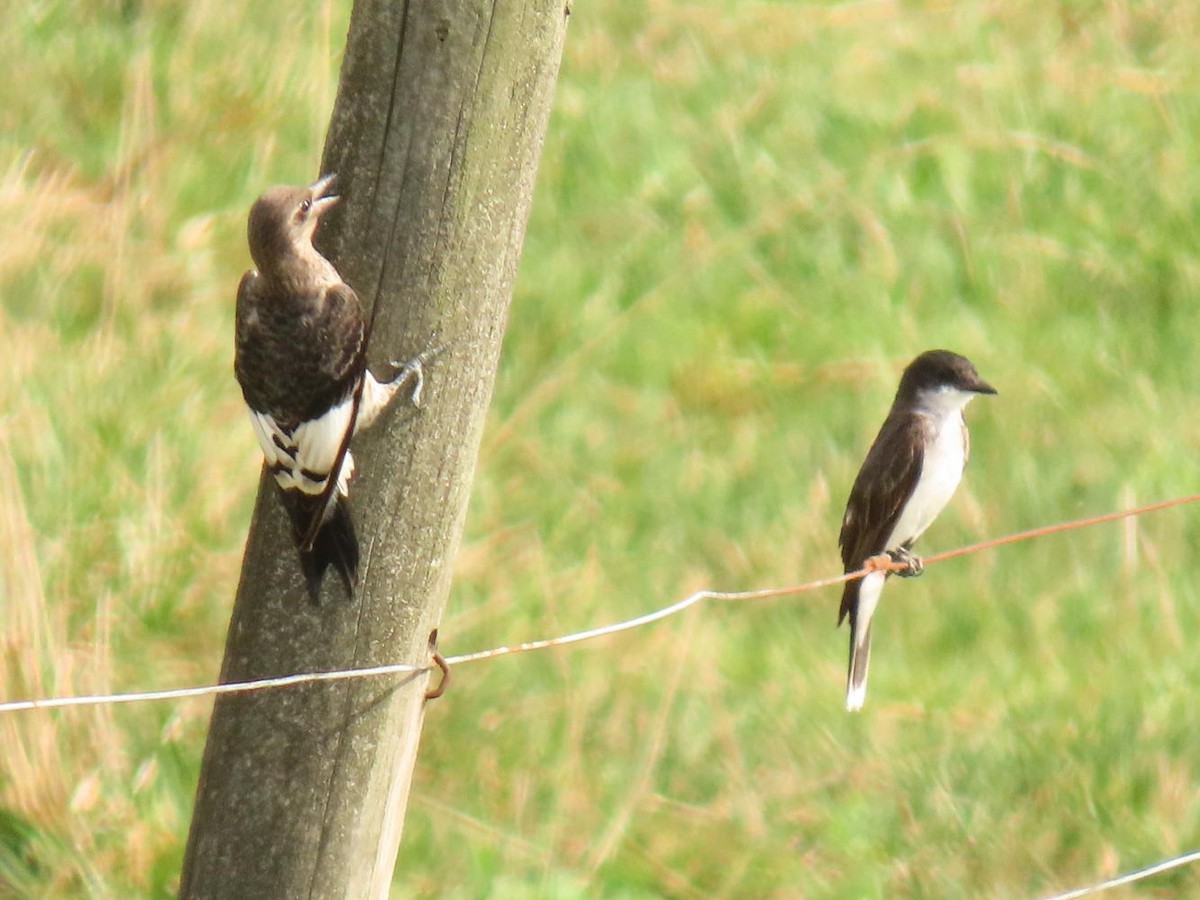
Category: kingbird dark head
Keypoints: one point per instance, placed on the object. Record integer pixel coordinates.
(936, 369)
(283, 219)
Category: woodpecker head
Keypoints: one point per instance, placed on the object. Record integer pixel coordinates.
(282, 222)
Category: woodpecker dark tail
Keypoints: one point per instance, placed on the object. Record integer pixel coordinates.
(335, 543)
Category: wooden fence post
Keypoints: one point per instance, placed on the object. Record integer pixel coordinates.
(441, 111)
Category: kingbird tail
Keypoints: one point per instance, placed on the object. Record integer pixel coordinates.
(860, 599)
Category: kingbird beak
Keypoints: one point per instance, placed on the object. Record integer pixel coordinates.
(982, 387)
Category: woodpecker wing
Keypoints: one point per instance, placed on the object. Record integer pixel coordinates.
(342, 462)
(354, 354)
(300, 362)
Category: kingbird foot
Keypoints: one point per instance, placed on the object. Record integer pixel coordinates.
(907, 558)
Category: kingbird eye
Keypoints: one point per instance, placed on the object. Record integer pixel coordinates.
(305, 206)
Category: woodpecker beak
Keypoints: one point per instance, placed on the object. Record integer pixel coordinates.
(321, 201)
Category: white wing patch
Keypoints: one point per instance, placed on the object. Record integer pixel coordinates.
(265, 430)
(302, 460)
(318, 440)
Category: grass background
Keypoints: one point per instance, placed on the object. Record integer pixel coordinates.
(749, 216)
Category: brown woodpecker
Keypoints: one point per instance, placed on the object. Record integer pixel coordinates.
(302, 365)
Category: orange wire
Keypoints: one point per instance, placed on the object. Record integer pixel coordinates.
(1061, 526)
